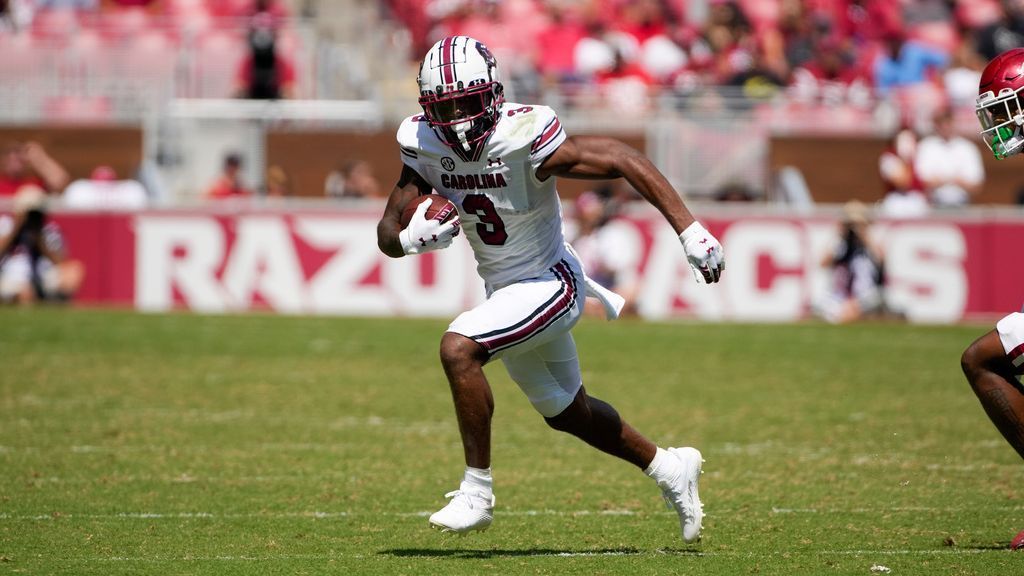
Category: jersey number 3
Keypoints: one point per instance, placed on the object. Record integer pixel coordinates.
(490, 229)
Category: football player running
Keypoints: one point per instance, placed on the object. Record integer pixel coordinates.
(993, 363)
(497, 162)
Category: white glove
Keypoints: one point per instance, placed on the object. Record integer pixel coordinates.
(422, 235)
(703, 252)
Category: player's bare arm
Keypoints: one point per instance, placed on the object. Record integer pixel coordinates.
(600, 158)
(410, 185)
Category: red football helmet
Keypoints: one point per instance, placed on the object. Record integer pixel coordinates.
(999, 106)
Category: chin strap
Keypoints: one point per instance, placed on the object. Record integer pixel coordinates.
(460, 130)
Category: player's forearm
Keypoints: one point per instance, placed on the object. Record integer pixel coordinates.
(53, 174)
(388, 242)
(653, 186)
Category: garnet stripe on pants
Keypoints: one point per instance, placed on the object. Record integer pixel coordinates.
(1017, 355)
(557, 306)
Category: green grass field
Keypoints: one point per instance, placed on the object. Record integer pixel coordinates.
(182, 444)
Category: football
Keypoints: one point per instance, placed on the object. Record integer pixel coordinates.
(440, 209)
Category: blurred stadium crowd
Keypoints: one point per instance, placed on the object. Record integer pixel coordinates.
(91, 57)
(613, 53)
(810, 63)
(820, 51)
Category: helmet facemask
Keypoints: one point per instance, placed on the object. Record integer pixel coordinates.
(464, 117)
(1002, 117)
(461, 93)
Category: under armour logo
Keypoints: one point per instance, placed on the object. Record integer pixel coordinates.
(494, 161)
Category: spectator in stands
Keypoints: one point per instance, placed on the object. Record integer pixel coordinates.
(904, 191)
(858, 273)
(33, 261)
(964, 74)
(277, 183)
(265, 73)
(738, 192)
(29, 163)
(663, 59)
(1004, 34)
(510, 29)
(643, 19)
(15, 15)
(103, 190)
(67, 4)
(608, 252)
(729, 37)
(755, 79)
(906, 63)
(556, 44)
(134, 3)
(229, 183)
(625, 86)
(354, 179)
(949, 165)
(802, 30)
(829, 76)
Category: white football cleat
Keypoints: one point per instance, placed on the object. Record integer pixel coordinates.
(681, 492)
(470, 509)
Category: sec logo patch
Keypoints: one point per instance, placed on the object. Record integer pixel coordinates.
(447, 163)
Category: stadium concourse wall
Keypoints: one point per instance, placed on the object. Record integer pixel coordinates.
(323, 259)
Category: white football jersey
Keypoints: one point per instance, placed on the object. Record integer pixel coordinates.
(513, 220)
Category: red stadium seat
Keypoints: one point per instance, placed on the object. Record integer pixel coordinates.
(152, 55)
(941, 35)
(22, 56)
(231, 8)
(77, 109)
(919, 102)
(88, 56)
(186, 8)
(287, 43)
(124, 23)
(763, 14)
(218, 56)
(55, 25)
(978, 13)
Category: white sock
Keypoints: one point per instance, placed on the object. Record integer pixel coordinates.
(663, 467)
(479, 478)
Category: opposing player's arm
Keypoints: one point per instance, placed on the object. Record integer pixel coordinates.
(599, 158)
(410, 185)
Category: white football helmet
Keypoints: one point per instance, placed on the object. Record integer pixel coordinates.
(460, 91)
